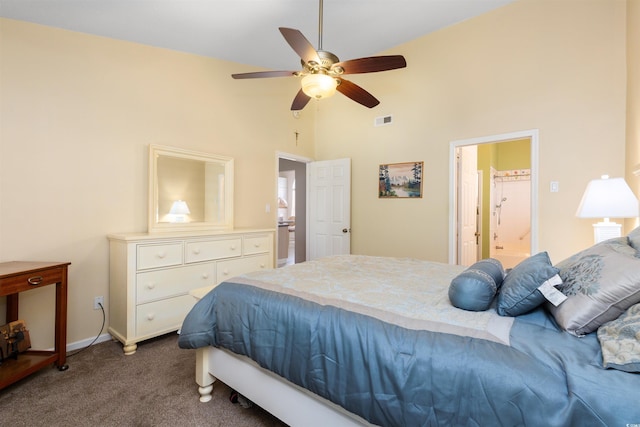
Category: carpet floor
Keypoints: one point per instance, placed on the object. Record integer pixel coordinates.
(103, 387)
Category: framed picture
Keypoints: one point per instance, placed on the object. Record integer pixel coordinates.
(400, 180)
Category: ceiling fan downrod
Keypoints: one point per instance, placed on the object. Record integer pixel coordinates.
(320, 26)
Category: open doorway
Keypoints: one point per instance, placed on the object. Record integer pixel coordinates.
(495, 215)
(292, 210)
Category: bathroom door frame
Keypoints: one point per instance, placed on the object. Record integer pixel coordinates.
(532, 135)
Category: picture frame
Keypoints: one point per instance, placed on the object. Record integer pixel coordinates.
(400, 180)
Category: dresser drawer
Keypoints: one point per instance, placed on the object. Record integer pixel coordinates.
(234, 267)
(256, 244)
(158, 284)
(206, 250)
(162, 316)
(165, 255)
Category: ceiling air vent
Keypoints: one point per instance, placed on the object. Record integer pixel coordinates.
(383, 121)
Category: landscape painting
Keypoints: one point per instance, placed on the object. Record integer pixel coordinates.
(400, 180)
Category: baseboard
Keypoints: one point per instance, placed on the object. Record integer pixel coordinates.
(83, 343)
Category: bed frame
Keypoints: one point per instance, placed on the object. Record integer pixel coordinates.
(290, 403)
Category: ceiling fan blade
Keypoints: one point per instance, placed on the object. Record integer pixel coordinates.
(356, 93)
(263, 74)
(300, 44)
(300, 101)
(372, 64)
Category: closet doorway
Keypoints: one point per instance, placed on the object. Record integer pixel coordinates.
(504, 211)
(292, 210)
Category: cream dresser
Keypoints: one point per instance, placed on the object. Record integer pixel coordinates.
(151, 275)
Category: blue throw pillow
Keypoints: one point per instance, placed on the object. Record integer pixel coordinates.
(475, 288)
(519, 293)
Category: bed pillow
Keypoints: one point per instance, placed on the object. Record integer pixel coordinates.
(519, 293)
(620, 341)
(634, 239)
(600, 282)
(475, 288)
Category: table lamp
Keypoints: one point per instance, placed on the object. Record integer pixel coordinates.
(607, 198)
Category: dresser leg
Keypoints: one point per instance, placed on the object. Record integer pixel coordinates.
(129, 349)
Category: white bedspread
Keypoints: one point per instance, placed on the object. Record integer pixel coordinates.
(406, 292)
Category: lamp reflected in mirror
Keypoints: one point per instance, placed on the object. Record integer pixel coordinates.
(179, 211)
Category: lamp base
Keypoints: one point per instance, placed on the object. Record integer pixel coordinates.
(606, 230)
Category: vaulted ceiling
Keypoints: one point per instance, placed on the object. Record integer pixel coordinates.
(246, 31)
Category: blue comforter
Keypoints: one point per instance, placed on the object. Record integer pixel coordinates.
(394, 376)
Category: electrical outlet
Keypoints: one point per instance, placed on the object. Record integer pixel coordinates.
(97, 301)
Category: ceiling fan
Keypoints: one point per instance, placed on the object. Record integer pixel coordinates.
(322, 72)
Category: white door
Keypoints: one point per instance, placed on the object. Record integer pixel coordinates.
(468, 205)
(329, 208)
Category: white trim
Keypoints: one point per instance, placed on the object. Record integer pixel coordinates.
(531, 134)
(89, 341)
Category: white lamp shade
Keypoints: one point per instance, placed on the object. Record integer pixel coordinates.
(179, 207)
(608, 198)
(319, 85)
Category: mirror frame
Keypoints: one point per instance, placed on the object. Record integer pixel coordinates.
(159, 150)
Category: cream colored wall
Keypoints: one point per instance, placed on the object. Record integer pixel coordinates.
(77, 114)
(633, 99)
(556, 66)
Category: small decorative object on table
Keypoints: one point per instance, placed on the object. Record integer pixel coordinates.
(14, 339)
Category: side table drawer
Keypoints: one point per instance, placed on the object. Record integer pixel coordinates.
(24, 282)
(158, 284)
(153, 256)
(256, 244)
(234, 267)
(165, 315)
(207, 250)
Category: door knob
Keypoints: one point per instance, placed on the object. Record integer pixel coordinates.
(346, 230)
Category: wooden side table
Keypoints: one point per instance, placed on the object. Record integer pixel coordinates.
(20, 276)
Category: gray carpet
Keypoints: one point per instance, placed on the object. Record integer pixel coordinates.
(103, 387)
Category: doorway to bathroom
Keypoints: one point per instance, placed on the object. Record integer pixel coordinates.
(493, 198)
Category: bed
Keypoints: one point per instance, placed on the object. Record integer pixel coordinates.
(362, 340)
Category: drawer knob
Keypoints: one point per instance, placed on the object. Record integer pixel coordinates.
(151, 285)
(205, 275)
(35, 280)
(151, 316)
(196, 251)
(162, 255)
(225, 272)
(257, 245)
(233, 247)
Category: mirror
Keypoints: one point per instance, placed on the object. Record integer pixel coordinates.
(189, 190)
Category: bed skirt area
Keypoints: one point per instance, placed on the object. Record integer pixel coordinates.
(290, 403)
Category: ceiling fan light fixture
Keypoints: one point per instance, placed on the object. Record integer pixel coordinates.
(319, 86)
